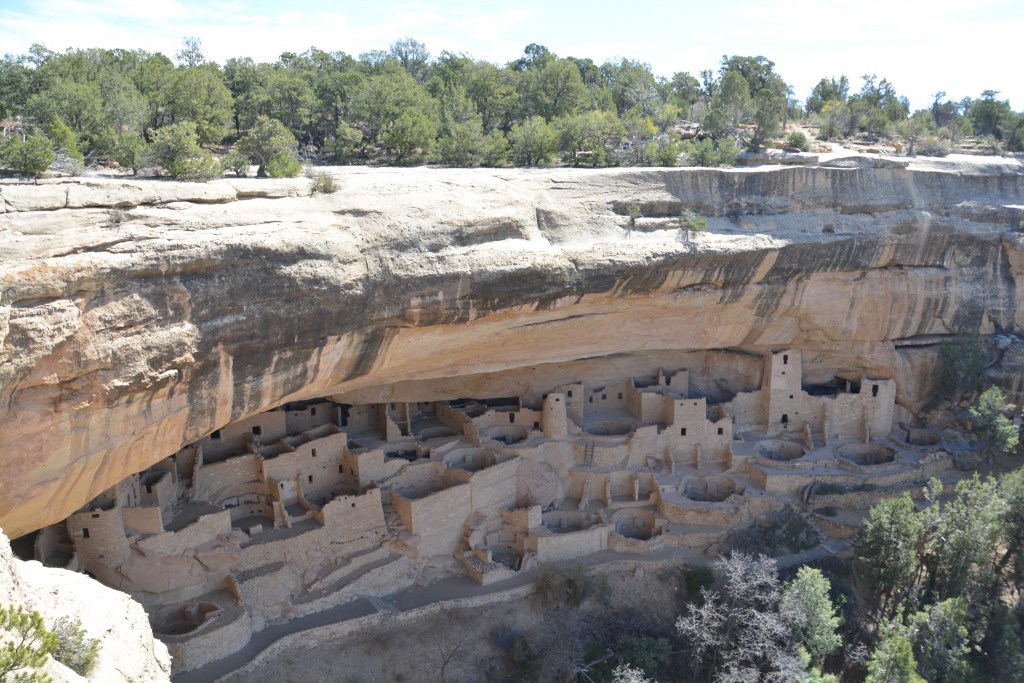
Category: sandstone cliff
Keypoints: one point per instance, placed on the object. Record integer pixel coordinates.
(138, 316)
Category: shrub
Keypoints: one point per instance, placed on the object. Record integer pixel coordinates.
(75, 649)
(691, 222)
(283, 165)
(323, 183)
(558, 586)
(696, 579)
(63, 137)
(176, 149)
(30, 156)
(932, 146)
(271, 146)
(236, 162)
(797, 140)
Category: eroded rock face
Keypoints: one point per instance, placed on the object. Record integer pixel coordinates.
(138, 316)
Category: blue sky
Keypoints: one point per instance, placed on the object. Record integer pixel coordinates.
(962, 47)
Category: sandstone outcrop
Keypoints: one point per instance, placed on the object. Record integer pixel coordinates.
(128, 651)
(139, 316)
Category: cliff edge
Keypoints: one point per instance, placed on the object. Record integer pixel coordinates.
(137, 316)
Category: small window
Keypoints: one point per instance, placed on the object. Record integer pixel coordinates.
(392, 406)
(785, 418)
(353, 504)
(85, 532)
(620, 394)
(721, 431)
(341, 469)
(311, 479)
(791, 395)
(511, 417)
(558, 400)
(536, 425)
(874, 390)
(314, 452)
(682, 431)
(570, 394)
(95, 515)
(282, 484)
(785, 359)
(604, 397)
(257, 430)
(312, 411)
(591, 399)
(149, 488)
(215, 436)
(783, 372)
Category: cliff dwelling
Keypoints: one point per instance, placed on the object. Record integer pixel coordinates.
(305, 507)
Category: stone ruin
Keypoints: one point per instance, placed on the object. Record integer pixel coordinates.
(305, 507)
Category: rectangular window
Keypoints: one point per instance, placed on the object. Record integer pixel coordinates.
(311, 479)
(721, 431)
(604, 397)
(257, 430)
(312, 411)
(314, 452)
(682, 431)
(874, 390)
(85, 533)
(536, 425)
(570, 393)
(620, 394)
(785, 359)
(215, 436)
(341, 469)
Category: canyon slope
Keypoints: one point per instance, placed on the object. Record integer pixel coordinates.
(137, 316)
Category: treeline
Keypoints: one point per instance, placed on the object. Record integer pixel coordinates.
(405, 106)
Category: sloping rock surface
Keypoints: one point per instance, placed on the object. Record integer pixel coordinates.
(128, 652)
(137, 316)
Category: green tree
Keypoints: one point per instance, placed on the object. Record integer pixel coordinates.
(63, 137)
(347, 141)
(734, 97)
(30, 156)
(887, 548)
(892, 660)
(410, 138)
(988, 415)
(130, 151)
(940, 641)
(383, 98)
(532, 142)
(554, 90)
(960, 365)
(811, 614)
(176, 149)
(413, 56)
(199, 96)
(26, 643)
(828, 90)
(269, 141)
